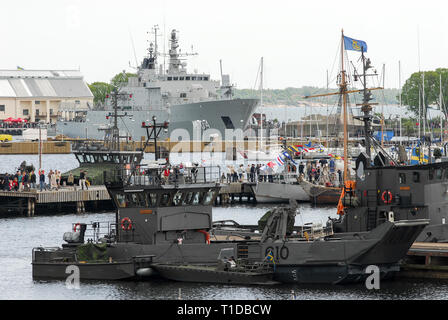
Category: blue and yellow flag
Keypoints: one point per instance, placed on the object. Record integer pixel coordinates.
(417, 158)
(355, 45)
(20, 68)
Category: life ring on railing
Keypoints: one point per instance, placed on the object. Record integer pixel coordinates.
(207, 236)
(129, 224)
(387, 200)
(76, 227)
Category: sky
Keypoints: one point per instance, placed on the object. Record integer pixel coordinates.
(297, 39)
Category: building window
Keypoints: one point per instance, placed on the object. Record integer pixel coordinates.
(183, 95)
(2, 108)
(170, 78)
(431, 173)
(37, 112)
(51, 112)
(181, 78)
(416, 177)
(25, 112)
(176, 78)
(77, 102)
(439, 174)
(187, 78)
(36, 102)
(205, 78)
(402, 178)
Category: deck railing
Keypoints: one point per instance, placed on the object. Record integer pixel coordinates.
(174, 175)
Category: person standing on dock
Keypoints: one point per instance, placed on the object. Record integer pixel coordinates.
(53, 183)
(71, 180)
(82, 179)
(58, 179)
(14, 185)
(240, 173)
(33, 180)
(253, 170)
(42, 180)
(25, 181)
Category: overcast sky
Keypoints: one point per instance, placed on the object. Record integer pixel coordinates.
(298, 39)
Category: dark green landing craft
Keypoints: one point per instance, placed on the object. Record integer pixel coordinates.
(95, 163)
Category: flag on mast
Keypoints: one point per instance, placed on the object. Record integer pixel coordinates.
(355, 45)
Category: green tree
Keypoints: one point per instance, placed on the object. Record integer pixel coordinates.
(99, 91)
(121, 79)
(412, 91)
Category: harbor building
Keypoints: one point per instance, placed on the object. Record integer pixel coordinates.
(43, 95)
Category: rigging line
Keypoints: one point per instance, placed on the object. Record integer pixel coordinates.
(127, 129)
(335, 59)
(256, 79)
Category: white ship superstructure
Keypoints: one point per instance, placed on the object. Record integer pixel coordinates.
(191, 102)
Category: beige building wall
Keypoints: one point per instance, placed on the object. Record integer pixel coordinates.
(23, 108)
(9, 107)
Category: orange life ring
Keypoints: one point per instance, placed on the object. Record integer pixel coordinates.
(389, 197)
(207, 236)
(129, 226)
(76, 226)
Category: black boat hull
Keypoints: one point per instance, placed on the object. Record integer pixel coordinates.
(330, 274)
(209, 275)
(87, 271)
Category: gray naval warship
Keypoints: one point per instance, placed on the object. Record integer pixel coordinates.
(189, 101)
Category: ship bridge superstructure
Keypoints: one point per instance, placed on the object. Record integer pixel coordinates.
(155, 88)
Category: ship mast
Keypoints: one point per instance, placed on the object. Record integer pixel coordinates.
(343, 91)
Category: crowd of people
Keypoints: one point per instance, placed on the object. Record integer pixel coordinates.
(323, 172)
(251, 173)
(24, 180)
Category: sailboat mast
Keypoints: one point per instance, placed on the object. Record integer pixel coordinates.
(344, 106)
(441, 108)
(423, 104)
(399, 86)
(327, 115)
(261, 100)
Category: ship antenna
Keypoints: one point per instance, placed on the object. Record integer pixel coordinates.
(133, 48)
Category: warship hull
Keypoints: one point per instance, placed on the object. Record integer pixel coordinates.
(266, 192)
(220, 115)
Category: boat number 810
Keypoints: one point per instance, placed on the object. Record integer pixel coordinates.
(278, 252)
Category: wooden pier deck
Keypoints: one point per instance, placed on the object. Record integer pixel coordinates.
(28, 200)
(426, 261)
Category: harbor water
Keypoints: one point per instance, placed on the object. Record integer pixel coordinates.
(20, 234)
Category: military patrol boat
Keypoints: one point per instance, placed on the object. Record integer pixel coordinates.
(164, 227)
(189, 101)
